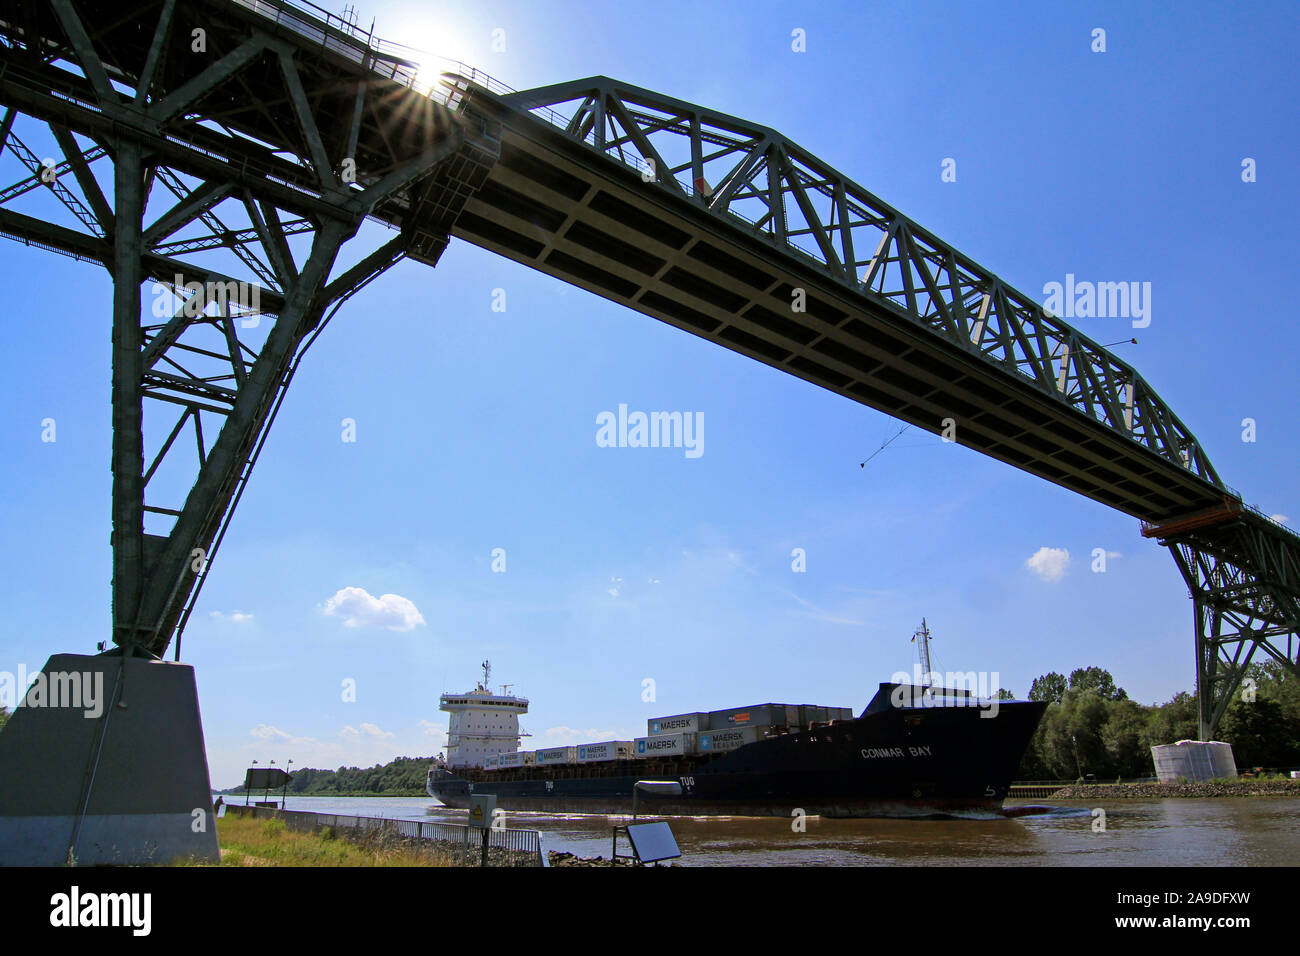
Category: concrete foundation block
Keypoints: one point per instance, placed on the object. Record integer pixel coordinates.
(104, 758)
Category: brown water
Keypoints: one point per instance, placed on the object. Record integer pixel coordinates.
(1263, 831)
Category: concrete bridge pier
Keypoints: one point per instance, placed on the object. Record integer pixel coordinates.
(103, 763)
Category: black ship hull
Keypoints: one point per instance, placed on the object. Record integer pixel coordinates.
(900, 761)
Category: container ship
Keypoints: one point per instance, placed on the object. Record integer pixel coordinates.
(915, 750)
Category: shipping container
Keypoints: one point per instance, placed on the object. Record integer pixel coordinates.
(557, 755)
(720, 741)
(606, 750)
(515, 759)
(810, 714)
(665, 745)
(758, 715)
(491, 762)
(677, 724)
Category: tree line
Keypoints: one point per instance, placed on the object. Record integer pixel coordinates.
(1091, 726)
(404, 776)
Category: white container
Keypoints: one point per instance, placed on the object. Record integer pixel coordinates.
(678, 724)
(491, 762)
(665, 745)
(1193, 761)
(557, 755)
(720, 741)
(510, 760)
(606, 750)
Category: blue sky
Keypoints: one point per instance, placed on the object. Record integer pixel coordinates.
(476, 429)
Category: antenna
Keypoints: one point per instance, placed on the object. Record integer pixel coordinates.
(922, 639)
(487, 673)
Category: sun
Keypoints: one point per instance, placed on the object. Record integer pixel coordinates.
(435, 47)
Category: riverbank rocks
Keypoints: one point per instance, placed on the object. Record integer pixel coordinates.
(1160, 791)
(560, 858)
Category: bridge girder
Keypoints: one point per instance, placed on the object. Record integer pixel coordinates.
(752, 176)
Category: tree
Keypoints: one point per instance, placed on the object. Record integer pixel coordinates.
(1072, 744)
(1173, 721)
(1123, 738)
(4, 717)
(1097, 680)
(1092, 727)
(1262, 734)
(1049, 687)
(1004, 694)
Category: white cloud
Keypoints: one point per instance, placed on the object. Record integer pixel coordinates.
(269, 734)
(359, 608)
(366, 730)
(359, 745)
(561, 736)
(239, 617)
(823, 615)
(1049, 563)
(1280, 517)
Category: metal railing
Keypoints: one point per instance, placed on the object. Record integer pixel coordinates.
(421, 70)
(457, 843)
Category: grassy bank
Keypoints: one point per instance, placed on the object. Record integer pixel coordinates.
(247, 841)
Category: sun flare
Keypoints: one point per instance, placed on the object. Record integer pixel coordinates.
(435, 47)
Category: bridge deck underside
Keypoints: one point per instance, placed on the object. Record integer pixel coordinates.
(555, 206)
(558, 206)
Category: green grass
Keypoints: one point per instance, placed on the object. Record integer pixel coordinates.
(247, 841)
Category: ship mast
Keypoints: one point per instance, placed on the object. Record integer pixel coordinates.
(922, 639)
(487, 673)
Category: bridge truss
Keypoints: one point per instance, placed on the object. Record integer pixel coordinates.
(239, 173)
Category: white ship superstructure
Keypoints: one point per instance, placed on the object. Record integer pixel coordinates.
(482, 724)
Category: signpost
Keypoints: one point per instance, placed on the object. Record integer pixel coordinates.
(481, 809)
(265, 779)
(651, 842)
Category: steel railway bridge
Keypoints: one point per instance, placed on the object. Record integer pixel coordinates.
(227, 150)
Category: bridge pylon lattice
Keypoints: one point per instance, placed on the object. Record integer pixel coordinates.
(222, 160)
(1244, 581)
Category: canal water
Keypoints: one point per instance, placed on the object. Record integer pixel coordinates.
(1262, 831)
